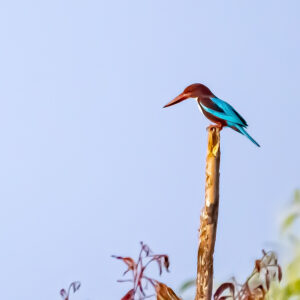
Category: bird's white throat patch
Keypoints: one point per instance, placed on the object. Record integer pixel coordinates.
(199, 106)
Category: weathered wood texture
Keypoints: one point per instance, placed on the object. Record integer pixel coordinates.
(209, 218)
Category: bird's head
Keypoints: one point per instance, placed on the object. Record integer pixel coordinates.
(192, 91)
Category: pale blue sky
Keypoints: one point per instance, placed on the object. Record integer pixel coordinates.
(90, 162)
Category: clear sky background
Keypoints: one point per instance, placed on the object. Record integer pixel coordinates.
(90, 162)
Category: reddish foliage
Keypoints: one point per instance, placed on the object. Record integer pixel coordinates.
(129, 295)
(279, 273)
(163, 292)
(139, 279)
(257, 285)
(222, 288)
(128, 261)
(74, 286)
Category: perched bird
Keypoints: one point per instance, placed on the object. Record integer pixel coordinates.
(214, 109)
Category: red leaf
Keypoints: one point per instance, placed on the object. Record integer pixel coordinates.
(267, 280)
(279, 273)
(129, 295)
(222, 288)
(166, 262)
(75, 285)
(63, 293)
(162, 259)
(159, 266)
(163, 292)
(139, 279)
(128, 261)
(257, 265)
(146, 249)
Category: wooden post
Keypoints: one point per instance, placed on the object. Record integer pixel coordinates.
(209, 218)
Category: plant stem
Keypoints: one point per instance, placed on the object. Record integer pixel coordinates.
(209, 218)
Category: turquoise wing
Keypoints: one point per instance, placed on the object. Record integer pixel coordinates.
(227, 113)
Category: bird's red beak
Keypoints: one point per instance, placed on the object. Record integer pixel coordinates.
(179, 98)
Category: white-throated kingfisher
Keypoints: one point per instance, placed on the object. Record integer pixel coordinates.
(216, 110)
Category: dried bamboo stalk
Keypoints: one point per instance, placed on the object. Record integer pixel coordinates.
(209, 218)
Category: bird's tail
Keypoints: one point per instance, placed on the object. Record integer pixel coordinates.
(241, 130)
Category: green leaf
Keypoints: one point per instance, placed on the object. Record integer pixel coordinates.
(292, 272)
(288, 221)
(292, 288)
(297, 196)
(186, 285)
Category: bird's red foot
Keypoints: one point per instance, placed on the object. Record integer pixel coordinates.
(218, 125)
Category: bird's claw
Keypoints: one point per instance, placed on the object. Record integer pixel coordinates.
(216, 126)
